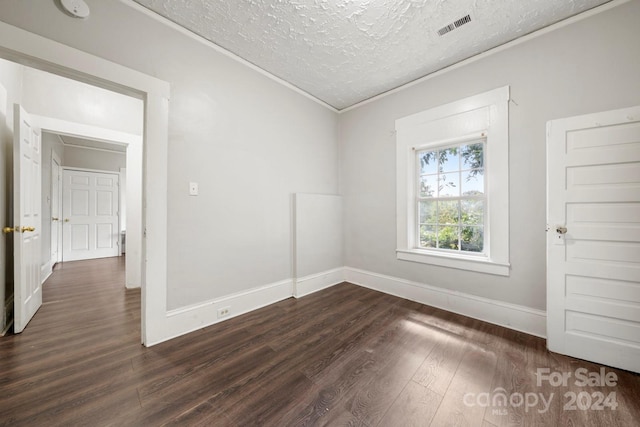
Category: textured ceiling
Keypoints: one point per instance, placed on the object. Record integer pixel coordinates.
(345, 51)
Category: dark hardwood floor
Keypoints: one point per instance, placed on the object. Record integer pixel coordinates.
(343, 356)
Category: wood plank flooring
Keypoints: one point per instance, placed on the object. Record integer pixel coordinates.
(343, 356)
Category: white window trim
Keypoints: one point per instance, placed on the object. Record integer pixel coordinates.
(485, 114)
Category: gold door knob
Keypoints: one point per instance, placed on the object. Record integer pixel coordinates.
(55, 219)
(7, 230)
(23, 229)
(66, 220)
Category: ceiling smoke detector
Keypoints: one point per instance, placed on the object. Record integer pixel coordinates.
(456, 24)
(76, 8)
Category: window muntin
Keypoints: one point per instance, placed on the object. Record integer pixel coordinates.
(451, 198)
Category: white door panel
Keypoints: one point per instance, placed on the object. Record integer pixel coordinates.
(27, 219)
(90, 209)
(593, 284)
(56, 212)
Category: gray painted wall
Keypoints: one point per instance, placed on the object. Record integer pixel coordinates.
(249, 141)
(589, 66)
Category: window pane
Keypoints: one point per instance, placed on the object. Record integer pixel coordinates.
(472, 212)
(449, 184)
(473, 182)
(427, 212)
(429, 186)
(473, 239)
(427, 236)
(456, 172)
(428, 162)
(472, 156)
(449, 160)
(448, 212)
(448, 237)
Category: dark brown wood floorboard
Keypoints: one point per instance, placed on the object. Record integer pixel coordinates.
(346, 355)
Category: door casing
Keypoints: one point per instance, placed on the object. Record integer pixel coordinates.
(56, 208)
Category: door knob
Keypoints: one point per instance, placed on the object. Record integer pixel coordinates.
(7, 230)
(55, 219)
(23, 229)
(561, 230)
(66, 220)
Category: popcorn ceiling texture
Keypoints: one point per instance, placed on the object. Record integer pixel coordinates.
(345, 51)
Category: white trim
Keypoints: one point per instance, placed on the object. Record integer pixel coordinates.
(317, 282)
(83, 147)
(106, 172)
(517, 317)
(157, 17)
(31, 49)
(470, 103)
(477, 264)
(541, 32)
(56, 159)
(485, 114)
(122, 208)
(64, 127)
(183, 320)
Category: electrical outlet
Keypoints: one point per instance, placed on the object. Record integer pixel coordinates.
(223, 312)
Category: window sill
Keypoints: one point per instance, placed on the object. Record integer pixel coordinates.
(461, 262)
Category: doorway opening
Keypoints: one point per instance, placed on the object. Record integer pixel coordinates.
(84, 199)
(76, 132)
(26, 48)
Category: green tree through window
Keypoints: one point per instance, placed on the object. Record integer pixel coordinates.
(451, 197)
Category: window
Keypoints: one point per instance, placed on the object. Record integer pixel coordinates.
(451, 198)
(453, 192)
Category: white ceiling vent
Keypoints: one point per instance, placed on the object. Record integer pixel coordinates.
(460, 22)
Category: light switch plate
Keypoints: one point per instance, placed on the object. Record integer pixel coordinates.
(193, 188)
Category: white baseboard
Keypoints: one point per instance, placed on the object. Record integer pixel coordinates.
(191, 318)
(183, 320)
(316, 282)
(512, 316)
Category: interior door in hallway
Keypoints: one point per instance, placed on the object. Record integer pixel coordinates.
(27, 169)
(593, 244)
(56, 212)
(90, 211)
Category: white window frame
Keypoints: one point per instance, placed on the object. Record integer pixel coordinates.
(485, 115)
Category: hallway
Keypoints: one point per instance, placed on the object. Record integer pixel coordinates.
(72, 351)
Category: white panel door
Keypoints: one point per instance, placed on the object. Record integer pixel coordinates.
(593, 244)
(27, 218)
(90, 210)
